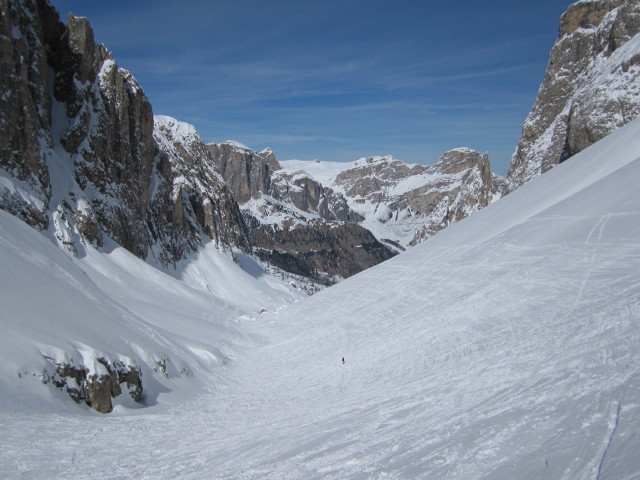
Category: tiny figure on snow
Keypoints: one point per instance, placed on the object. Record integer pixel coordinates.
(343, 360)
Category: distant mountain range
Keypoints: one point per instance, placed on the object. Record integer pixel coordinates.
(83, 158)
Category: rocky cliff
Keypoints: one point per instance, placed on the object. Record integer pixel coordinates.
(294, 209)
(26, 29)
(81, 160)
(78, 153)
(295, 223)
(247, 173)
(200, 196)
(324, 252)
(405, 204)
(251, 175)
(590, 88)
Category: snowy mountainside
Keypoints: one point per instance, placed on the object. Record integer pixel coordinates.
(67, 319)
(297, 226)
(505, 346)
(84, 166)
(323, 171)
(405, 204)
(590, 88)
(147, 276)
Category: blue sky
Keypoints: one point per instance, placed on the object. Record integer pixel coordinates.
(337, 80)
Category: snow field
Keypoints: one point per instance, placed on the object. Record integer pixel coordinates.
(506, 346)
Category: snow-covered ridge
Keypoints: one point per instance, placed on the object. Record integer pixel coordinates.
(326, 172)
(180, 129)
(236, 144)
(402, 204)
(462, 150)
(323, 172)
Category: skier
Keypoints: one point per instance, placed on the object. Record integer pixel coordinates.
(343, 360)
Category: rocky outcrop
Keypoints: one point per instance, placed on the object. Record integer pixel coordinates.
(26, 28)
(78, 152)
(590, 88)
(96, 385)
(247, 173)
(308, 195)
(406, 204)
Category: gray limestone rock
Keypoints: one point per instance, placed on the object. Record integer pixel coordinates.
(202, 201)
(251, 175)
(246, 172)
(26, 28)
(315, 234)
(68, 107)
(97, 389)
(322, 251)
(590, 88)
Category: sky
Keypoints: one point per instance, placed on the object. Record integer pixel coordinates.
(337, 80)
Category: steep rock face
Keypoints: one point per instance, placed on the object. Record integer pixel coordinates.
(308, 195)
(252, 175)
(590, 88)
(246, 172)
(405, 204)
(83, 161)
(295, 223)
(201, 200)
(321, 251)
(26, 28)
(79, 161)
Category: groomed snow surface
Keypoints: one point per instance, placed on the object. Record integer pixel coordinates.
(505, 347)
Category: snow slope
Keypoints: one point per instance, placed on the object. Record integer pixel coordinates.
(506, 346)
(58, 308)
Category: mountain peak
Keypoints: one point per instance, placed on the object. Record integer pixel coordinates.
(179, 128)
(589, 87)
(587, 14)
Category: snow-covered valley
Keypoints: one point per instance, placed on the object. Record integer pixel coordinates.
(506, 346)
